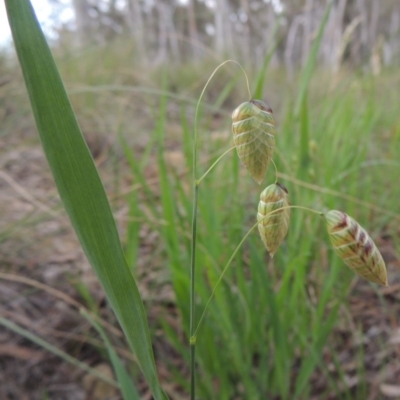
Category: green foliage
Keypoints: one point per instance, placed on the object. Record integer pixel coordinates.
(267, 327)
(53, 349)
(79, 184)
(263, 323)
(301, 106)
(128, 390)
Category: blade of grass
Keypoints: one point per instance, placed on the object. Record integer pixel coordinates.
(137, 172)
(53, 349)
(259, 81)
(226, 91)
(315, 355)
(304, 156)
(79, 184)
(128, 389)
(301, 101)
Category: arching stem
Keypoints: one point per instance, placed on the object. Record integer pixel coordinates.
(214, 164)
(192, 339)
(276, 170)
(234, 254)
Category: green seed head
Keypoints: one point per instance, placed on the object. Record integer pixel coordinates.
(253, 128)
(354, 246)
(273, 225)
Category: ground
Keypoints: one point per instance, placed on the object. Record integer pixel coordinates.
(45, 279)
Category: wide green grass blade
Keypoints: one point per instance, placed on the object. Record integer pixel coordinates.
(78, 183)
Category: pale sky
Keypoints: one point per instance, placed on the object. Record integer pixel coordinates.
(43, 12)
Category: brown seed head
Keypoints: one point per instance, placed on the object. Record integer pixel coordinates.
(354, 246)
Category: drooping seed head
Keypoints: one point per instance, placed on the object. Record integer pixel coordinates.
(273, 225)
(354, 246)
(253, 130)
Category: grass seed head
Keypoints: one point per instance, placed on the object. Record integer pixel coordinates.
(253, 130)
(273, 226)
(354, 246)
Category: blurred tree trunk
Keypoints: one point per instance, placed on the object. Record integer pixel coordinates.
(224, 42)
(333, 30)
(290, 53)
(339, 33)
(230, 40)
(307, 29)
(262, 38)
(373, 25)
(219, 15)
(167, 34)
(392, 48)
(364, 29)
(172, 35)
(135, 22)
(356, 29)
(244, 17)
(193, 35)
(83, 21)
(162, 35)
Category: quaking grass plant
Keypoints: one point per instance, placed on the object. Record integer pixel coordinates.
(84, 198)
(253, 129)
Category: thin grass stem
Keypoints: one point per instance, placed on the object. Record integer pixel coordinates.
(234, 254)
(192, 292)
(321, 189)
(276, 170)
(214, 164)
(192, 339)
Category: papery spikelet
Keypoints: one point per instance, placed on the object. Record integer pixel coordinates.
(254, 136)
(354, 246)
(273, 227)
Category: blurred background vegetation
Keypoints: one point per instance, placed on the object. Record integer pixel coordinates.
(359, 33)
(299, 327)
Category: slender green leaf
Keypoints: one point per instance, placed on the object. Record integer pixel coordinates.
(53, 349)
(127, 387)
(78, 183)
(259, 81)
(301, 101)
(227, 90)
(304, 156)
(137, 172)
(315, 349)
